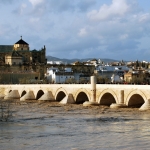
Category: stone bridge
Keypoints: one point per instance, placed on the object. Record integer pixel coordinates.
(103, 94)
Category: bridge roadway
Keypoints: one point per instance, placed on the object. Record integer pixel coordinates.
(103, 94)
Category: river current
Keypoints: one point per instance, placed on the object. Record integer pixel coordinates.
(68, 128)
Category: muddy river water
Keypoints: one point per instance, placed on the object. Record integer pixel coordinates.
(51, 126)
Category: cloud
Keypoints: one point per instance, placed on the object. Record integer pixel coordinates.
(60, 5)
(118, 8)
(78, 28)
(84, 5)
(144, 18)
(20, 9)
(6, 1)
(124, 36)
(82, 32)
(36, 2)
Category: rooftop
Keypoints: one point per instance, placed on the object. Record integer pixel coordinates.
(21, 41)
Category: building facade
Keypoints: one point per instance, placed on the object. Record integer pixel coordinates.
(19, 59)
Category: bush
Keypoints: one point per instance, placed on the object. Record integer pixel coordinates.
(5, 113)
(70, 81)
(102, 80)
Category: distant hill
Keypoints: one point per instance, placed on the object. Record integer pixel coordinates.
(50, 58)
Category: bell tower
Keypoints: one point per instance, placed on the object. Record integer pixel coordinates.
(21, 45)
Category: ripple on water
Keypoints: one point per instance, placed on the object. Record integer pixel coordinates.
(77, 132)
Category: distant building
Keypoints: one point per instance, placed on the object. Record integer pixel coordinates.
(77, 63)
(54, 75)
(55, 62)
(116, 79)
(18, 58)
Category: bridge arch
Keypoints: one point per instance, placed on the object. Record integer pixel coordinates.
(107, 97)
(135, 98)
(81, 96)
(60, 94)
(39, 94)
(23, 93)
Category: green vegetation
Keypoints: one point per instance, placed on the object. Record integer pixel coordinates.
(70, 81)
(102, 79)
(5, 112)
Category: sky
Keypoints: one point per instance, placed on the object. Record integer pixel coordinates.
(114, 29)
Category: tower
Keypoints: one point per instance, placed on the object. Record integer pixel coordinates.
(21, 45)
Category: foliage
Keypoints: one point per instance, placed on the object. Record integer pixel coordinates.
(70, 81)
(5, 113)
(138, 79)
(102, 79)
(83, 81)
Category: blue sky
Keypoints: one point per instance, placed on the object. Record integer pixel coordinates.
(115, 29)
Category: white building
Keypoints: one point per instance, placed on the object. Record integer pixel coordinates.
(55, 62)
(62, 77)
(68, 69)
(50, 73)
(116, 79)
(112, 68)
(54, 75)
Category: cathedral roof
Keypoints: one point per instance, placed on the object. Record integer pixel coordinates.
(16, 54)
(21, 41)
(6, 48)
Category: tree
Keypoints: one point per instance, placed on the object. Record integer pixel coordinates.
(83, 80)
(70, 81)
(140, 79)
(102, 79)
(137, 64)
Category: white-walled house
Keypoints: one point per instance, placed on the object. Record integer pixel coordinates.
(55, 62)
(116, 79)
(54, 75)
(62, 77)
(50, 73)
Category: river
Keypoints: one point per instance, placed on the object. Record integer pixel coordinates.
(37, 126)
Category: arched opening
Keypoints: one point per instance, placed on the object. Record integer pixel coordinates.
(23, 93)
(60, 96)
(39, 94)
(136, 101)
(81, 98)
(107, 99)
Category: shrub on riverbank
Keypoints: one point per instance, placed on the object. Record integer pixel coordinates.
(5, 112)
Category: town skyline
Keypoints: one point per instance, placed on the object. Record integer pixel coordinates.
(113, 29)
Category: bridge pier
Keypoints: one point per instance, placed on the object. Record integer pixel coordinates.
(146, 105)
(28, 96)
(47, 96)
(12, 95)
(121, 101)
(92, 101)
(68, 99)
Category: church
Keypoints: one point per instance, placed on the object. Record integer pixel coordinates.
(18, 62)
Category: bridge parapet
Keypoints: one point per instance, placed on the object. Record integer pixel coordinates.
(104, 94)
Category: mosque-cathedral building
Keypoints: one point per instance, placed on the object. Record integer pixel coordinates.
(18, 63)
